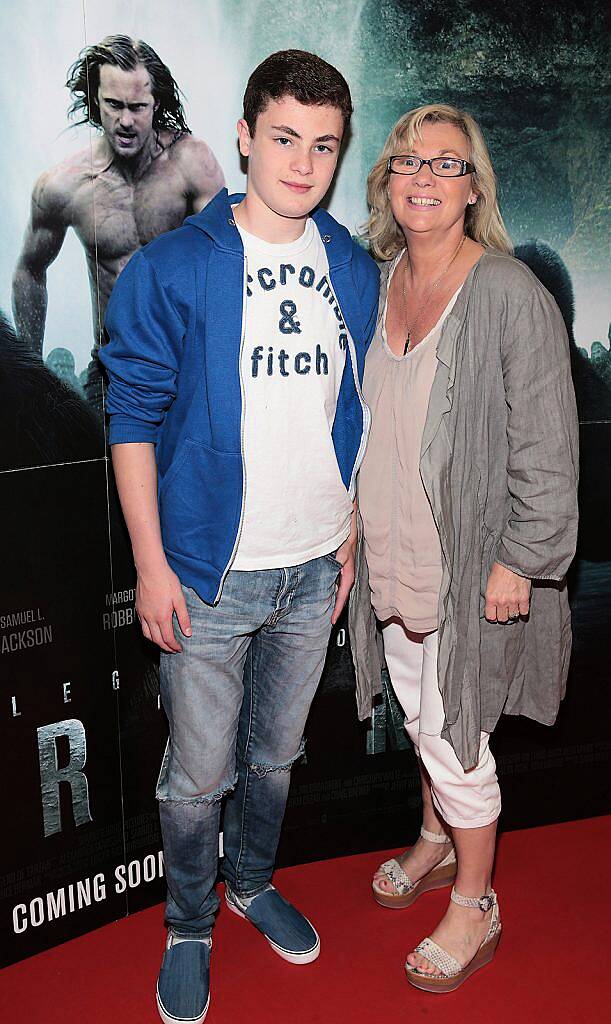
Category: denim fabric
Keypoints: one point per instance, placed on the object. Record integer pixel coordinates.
(237, 699)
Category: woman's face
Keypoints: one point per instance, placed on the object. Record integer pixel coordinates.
(424, 202)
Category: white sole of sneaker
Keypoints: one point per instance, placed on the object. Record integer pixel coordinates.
(167, 1018)
(291, 958)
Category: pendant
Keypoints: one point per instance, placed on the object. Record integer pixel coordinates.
(407, 341)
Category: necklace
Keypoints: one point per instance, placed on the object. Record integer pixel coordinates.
(411, 326)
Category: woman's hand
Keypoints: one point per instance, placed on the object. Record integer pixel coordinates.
(507, 595)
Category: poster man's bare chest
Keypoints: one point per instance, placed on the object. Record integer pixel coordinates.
(116, 218)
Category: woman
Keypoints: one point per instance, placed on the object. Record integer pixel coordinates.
(467, 495)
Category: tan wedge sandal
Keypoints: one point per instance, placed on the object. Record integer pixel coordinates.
(407, 891)
(454, 973)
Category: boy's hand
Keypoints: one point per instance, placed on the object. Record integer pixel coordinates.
(344, 554)
(158, 596)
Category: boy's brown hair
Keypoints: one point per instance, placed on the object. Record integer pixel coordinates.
(304, 76)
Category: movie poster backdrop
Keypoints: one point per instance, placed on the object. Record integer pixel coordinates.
(81, 728)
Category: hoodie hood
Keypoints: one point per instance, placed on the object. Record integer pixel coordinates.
(216, 221)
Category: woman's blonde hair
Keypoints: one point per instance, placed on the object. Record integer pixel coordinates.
(483, 221)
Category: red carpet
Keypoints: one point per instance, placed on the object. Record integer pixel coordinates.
(552, 966)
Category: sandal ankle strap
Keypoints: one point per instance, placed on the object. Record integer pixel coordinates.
(483, 903)
(434, 837)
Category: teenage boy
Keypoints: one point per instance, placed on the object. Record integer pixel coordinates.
(236, 352)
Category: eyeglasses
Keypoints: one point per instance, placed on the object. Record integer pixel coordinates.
(442, 166)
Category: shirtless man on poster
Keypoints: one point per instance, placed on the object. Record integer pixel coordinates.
(142, 176)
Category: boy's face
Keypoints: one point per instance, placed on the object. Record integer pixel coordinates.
(292, 156)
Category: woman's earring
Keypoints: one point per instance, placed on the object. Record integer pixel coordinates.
(472, 200)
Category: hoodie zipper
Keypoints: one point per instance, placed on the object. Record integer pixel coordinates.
(242, 417)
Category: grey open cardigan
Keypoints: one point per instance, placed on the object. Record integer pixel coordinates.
(499, 464)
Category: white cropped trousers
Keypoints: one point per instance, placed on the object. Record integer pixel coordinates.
(464, 799)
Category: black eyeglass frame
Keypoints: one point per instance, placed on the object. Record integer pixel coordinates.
(465, 166)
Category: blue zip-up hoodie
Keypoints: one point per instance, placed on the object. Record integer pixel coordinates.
(175, 322)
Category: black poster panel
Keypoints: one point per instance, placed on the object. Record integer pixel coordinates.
(63, 835)
(143, 732)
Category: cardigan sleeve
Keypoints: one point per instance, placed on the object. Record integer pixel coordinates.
(542, 433)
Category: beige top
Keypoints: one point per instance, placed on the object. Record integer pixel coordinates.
(401, 539)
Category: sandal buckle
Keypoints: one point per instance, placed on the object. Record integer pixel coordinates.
(486, 903)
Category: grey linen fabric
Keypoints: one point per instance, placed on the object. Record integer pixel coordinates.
(499, 463)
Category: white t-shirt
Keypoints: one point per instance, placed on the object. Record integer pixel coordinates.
(293, 357)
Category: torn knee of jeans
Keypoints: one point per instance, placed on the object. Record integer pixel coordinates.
(203, 798)
(262, 768)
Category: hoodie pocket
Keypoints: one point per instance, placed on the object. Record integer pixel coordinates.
(200, 501)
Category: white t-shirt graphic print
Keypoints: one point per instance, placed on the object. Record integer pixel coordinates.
(293, 358)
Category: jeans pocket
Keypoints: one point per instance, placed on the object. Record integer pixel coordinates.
(333, 561)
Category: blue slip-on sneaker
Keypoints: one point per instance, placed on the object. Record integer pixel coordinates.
(288, 932)
(183, 986)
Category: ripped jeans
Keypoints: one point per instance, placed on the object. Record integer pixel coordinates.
(237, 699)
